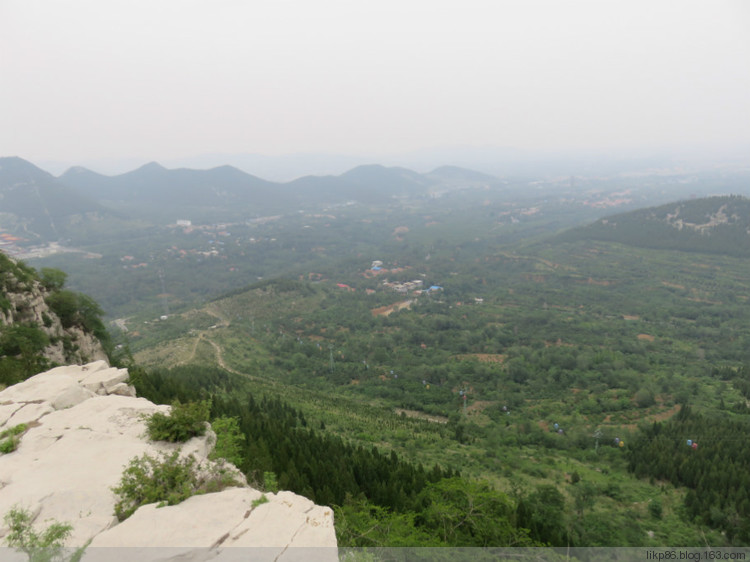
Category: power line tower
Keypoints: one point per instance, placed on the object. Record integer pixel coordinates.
(463, 393)
(597, 436)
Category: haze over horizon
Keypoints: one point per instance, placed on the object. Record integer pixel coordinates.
(122, 83)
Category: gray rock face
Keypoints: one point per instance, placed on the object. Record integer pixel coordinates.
(84, 426)
(28, 306)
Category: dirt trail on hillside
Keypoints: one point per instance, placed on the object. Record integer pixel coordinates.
(220, 357)
(223, 320)
(192, 352)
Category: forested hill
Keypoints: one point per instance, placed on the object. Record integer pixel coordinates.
(35, 205)
(715, 225)
(225, 192)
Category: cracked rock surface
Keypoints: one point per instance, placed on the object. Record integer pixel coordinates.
(84, 426)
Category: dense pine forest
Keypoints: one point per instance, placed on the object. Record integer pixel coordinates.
(380, 498)
(707, 454)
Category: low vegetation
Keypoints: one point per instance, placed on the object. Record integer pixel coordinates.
(11, 437)
(229, 440)
(166, 480)
(44, 546)
(184, 422)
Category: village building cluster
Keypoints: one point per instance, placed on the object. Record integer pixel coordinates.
(414, 286)
(407, 287)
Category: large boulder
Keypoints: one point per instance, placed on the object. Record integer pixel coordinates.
(82, 432)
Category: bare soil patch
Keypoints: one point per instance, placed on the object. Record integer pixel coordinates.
(421, 415)
(483, 357)
(478, 406)
(386, 310)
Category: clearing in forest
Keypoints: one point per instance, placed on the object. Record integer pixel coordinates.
(387, 310)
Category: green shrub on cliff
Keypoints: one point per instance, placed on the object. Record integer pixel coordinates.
(168, 480)
(184, 422)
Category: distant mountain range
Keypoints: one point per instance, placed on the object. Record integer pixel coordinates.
(230, 188)
(36, 203)
(717, 225)
(39, 207)
(153, 184)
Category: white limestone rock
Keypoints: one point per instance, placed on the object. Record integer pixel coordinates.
(71, 396)
(79, 372)
(40, 388)
(73, 453)
(104, 379)
(122, 389)
(270, 522)
(29, 413)
(285, 524)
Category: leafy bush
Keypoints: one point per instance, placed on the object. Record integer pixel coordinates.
(655, 508)
(184, 422)
(167, 481)
(20, 353)
(40, 547)
(53, 279)
(22, 273)
(644, 398)
(260, 501)
(76, 309)
(10, 438)
(270, 482)
(46, 320)
(12, 371)
(65, 305)
(22, 339)
(229, 440)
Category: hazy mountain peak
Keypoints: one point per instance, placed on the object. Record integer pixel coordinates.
(151, 167)
(457, 172)
(231, 171)
(16, 165)
(227, 168)
(370, 172)
(79, 172)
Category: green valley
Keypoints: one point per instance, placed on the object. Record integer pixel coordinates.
(470, 362)
(535, 369)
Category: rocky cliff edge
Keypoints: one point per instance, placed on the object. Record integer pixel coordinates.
(84, 425)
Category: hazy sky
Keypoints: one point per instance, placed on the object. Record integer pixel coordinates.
(156, 79)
